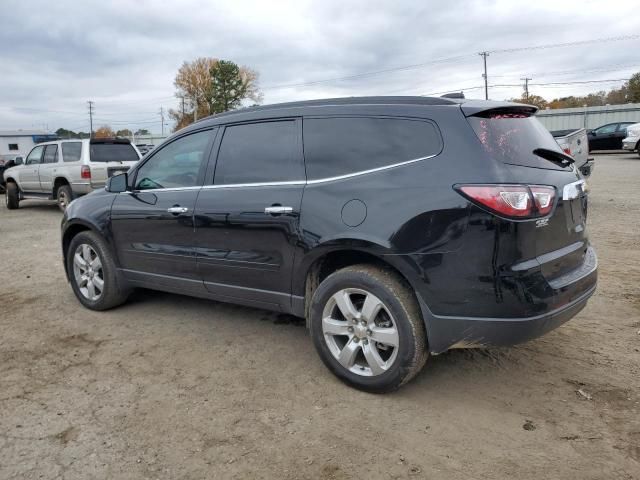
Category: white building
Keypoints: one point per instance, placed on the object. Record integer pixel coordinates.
(20, 142)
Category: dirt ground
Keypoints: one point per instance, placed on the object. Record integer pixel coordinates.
(179, 388)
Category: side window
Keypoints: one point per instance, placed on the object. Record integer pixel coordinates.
(622, 127)
(259, 153)
(607, 129)
(34, 156)
(339, 146)
(175, 165)
(71, 151)
(50, 154)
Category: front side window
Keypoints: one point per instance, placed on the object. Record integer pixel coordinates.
(176, 165)
(34, 156)
(50, 154)
(260, 153)
(71, 151)
(606, 129)
(335, 146)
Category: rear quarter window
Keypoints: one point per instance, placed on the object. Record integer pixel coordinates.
(335, 146)
(71, 151)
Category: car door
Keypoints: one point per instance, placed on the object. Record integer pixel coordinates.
(47, 168)
(152, 224)
(247, 217)
(28, 175)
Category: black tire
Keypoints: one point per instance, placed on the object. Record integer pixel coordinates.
(12, 196)
(115, 290)
(400, 302)
(64, 196)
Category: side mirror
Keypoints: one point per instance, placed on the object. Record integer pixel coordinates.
(593, 133)
(18, 161)
(117, 183)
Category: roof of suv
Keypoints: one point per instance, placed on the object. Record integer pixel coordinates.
(469, 106)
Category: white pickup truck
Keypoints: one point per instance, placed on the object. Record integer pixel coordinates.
(64, 169)
(576, 144)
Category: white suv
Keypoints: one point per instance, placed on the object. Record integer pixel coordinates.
(64, 169)
(632, 141)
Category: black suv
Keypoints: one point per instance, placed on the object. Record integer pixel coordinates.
(398, 226)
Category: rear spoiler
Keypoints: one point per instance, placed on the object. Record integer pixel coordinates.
(482, 108)
(109, 140)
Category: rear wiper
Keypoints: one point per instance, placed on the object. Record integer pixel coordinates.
(558, 158)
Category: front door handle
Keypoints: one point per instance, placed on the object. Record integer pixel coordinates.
(177, 209)
(277, 210)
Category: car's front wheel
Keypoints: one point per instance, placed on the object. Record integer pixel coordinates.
(93, 274)
(367, 328)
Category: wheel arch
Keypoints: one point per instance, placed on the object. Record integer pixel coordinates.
(320, 262)
(58, 182)
(70, 231)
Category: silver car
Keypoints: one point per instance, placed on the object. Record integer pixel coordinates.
(64, 169)
(632, 142)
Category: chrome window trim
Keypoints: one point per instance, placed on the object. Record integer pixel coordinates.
(366, 172)
(290, 182)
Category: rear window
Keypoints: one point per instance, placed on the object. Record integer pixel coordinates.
(512, 138)
(113, 152)
(339, 146)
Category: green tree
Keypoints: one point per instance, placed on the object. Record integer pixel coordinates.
(64, 133)
(125, 132)
(633, 88)
(228, 88)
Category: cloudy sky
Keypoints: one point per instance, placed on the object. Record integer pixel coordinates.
(123, 55)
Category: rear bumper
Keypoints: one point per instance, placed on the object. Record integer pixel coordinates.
(575, 288)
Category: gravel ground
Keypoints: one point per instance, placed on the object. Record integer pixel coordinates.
(173, 387)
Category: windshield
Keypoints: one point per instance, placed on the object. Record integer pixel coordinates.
(113, 152)
(513, 137)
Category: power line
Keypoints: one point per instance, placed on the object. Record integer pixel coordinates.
(368, 74)
(567, 44)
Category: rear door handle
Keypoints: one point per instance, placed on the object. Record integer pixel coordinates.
(177, 209)
(277, 209)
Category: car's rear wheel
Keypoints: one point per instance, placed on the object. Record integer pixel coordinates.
(93, 274)
(12, 196)
(367, 328)
(64, 196)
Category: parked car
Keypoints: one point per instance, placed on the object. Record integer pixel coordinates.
(576, 144)
(632, 141)
(64, 169)
(6, 163)
(410, 226)
(144, 148)
(608, 137)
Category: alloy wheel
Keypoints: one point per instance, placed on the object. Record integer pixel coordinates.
(360, 332)
(88, 272)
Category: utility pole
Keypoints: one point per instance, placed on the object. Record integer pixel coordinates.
(90, 118)
(182, 105)
(195, 109)
(526, 87)
(162, 119)
(484, 56)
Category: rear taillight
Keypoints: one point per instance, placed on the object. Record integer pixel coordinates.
(514, 201)
(567, 151)
(85, 171)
